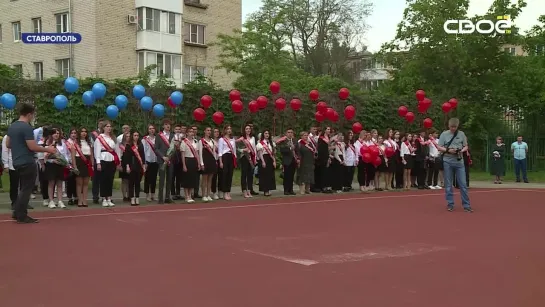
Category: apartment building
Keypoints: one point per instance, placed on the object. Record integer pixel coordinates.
(119, 38)
(368, 71)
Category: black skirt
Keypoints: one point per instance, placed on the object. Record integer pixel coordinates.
(54, 171)
(336, 171)
(189, 178)
(267, 176)
(210, 163)
(382, 167)
(410, 162)
(392, 163)
(82, 167)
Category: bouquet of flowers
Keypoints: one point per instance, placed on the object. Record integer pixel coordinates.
(59, 159)
(170, 152)
(496, 155)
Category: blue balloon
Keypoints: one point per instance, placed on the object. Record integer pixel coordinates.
(8, 101)
(112, 111)
(121, 101)
(88, 98)
(146, 103)
(99, 90)
(159, 110)
(71, 85)
(60, 102)
(138, 91)
(177, 97)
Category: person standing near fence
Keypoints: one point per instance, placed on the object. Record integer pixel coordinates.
(520, 152)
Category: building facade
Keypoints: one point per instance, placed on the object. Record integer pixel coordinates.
(119, 38)
(369, 72)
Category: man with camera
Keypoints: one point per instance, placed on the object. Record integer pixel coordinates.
(452, 144)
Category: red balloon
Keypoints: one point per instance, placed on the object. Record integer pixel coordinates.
(366, 157)
(377, 162)
(402, 111)
(274, 87)
(365, 150)
(262, 102)
(218, 118)
(335, 117)
(420, 95)
(237, 106)
(349, 112)
(330, 114)
(428, 123)
(296, 104)
(421, 107)
(320, 117)
(234, 95)
(357, 127)
(344, 93)
(206, 101)
(170, 103)
(389, 151)
(446, 107)
(374, 151)
(314, 95)
(199, 114)
(321, 107)
(409, 117)
(453, 103)
(280, 104)
(253, 106)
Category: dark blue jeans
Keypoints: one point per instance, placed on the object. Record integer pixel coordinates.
(520, 166)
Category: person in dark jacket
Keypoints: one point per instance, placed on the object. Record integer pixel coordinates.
(134, 164)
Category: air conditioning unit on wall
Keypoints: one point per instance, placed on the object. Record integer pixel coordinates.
(132, 19)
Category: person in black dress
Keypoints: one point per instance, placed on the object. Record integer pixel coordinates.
(216, 178)
(190, 164)
(324, 160)
(208, 156)
(382, 169)
(266, 150)
(498, 160)
(134, 165)
(121, 146)
(82, 153)
(407, 158)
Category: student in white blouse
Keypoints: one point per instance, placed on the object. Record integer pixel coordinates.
(248, 157)
(216, 178)
(266, 150)
(337, 167)
(71, 180)
(350, 161)
(358, 144)
(13, 177)
(190, 165)
(228, 160)
(435, 163)
(407, 157)
(152, 166)
(82, 154)
(125, 129)
(107, 162)
(209, 167)
(392, 161)
(54, 171)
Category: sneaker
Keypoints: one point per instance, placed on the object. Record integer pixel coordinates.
(110, 203)
(205, 199)
(190, 201)
(432, 187)
(105, 203)
(27, 220)
(61, 205)
(468, 209)
(33, 196)
(52, 205)
(216, 197)
(438, 187)
(450, 208)
(46, 203)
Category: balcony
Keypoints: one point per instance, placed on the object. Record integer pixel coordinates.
(158, 41)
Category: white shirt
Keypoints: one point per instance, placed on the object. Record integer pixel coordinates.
(85, 148)
(211, 144)
(103, 155)
(405, 150)
(358, 145)
(368, 143)
(391, 143)
(188, 153)
(120, 138)
(261, 149)
(6, 155)
(251, 141)
(339, 151)
(148, 151)
(434, 152)
(223, 147)
(350, 155)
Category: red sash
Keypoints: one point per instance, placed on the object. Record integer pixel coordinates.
(151, 145)
(411, 149)
(109, 149)
(84, 159)
(266, 147)
(137, 155)
(205, 145)
(313, 142)
(351, 146)
(307, 146)
(252, 152)
(188, 143)
(232, 151)
(392, 144)
(324, 139)
(432, 141)
(164, 138)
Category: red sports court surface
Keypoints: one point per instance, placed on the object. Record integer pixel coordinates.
(350, 250)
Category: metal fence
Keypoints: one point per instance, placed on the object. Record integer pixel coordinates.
(482, 158)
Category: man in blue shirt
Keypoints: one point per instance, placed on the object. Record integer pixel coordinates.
(520, 151)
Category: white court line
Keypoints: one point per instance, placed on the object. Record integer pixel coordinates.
(538, 190)
(333, 200)
(305, 262)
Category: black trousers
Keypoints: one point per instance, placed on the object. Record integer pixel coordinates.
(71, 187)
(134, 184)
(44, 185)
(289, 176)
(150, 178)
(361, 172)
(370, 171)
(197, 186)
(420, 170)
(227, 172)
(96, 183)
(348, 177)
(397, 179)
(107, 174)
(27, 180)
(13, 186)
(246, 174)
(433, 173)
(325, 177)
(317, 177)
(176, 184)
(215, 181)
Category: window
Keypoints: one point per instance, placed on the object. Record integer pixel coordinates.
(38, 71)
(63, 67)
(140, 16)
(16, 31)
(37, 25)
(171, 23)
(510, 50)
(63, 25)
(153, 20)
(191, 72)
(168, 65)
(194, 33)
(19, 69)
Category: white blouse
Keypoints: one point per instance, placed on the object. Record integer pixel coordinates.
(252, 144)
(188, 153)
(434, 152)
(339, 151)
(224, 148)
(261, 149)
(350, 155)
(148, 151)
(85, 148)
(405, 150)
(100, 152)
(201, 148)
(391, 143)
(358, 145)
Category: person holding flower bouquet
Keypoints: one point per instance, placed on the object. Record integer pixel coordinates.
(498, 160)
(134, 164)
(55, 167)
(82, 154)
(165, 148)
(190, 165)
